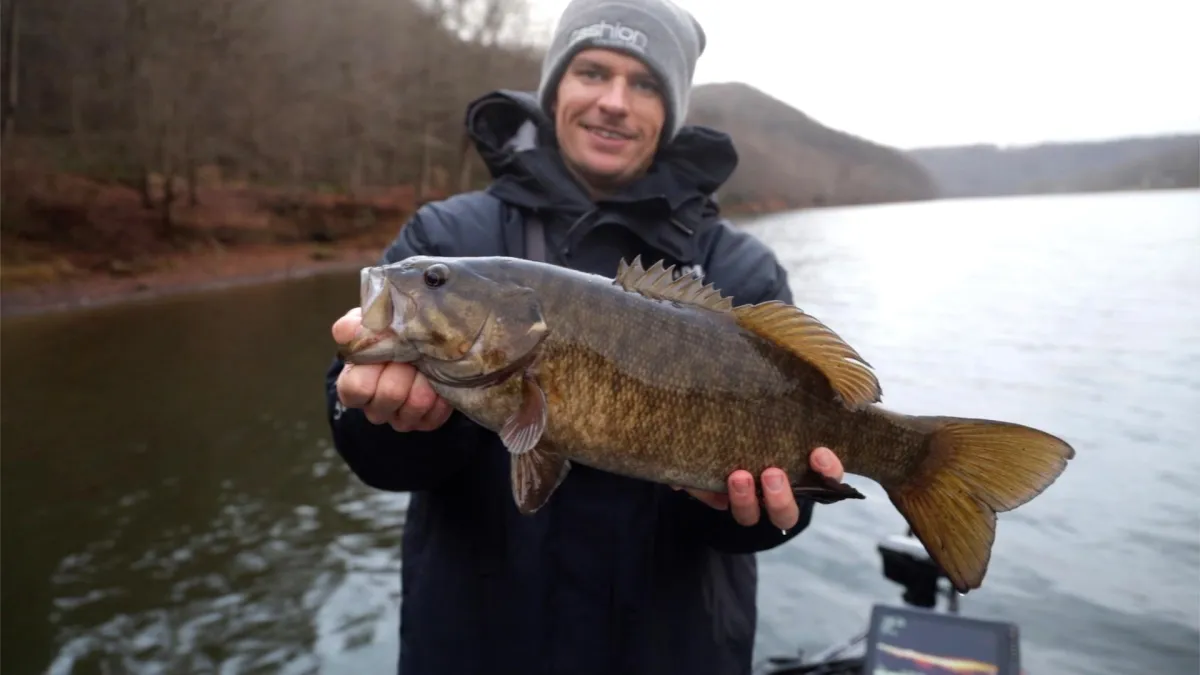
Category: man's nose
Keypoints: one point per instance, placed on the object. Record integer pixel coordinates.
(615, 100)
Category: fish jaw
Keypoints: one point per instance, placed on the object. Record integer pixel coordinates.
(375, 299)
(381, 337)
(385, 346)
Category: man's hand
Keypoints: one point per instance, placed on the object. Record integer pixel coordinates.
(394, 393)
(777, 492)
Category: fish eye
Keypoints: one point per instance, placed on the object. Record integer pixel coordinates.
(436, 275)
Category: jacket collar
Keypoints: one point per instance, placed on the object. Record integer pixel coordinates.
(516, 141)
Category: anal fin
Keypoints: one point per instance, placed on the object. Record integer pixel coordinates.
(823, 490)
(535, 475)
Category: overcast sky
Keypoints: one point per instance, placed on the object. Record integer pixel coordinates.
(928, 72)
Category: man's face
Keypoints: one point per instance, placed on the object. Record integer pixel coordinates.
(609, 114)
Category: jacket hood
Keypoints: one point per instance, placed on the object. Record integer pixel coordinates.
(516, 141)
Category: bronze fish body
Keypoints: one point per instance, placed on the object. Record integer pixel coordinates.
(663, 379)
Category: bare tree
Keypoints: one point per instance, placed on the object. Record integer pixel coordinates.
(8, 105)
(283, 92)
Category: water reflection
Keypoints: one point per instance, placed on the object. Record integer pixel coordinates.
(176, 505)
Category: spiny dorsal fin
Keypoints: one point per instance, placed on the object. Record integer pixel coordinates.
(790, 328)
(657, 283)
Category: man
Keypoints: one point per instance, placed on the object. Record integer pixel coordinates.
(613, 575)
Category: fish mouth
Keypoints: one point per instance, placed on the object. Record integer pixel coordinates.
(380, 338)
(375, 299)
(369, 346)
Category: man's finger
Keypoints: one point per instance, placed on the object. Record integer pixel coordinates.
(392, 391)
(421, 399)
(356, 384)
(436, 417)
(780, 502)
(827, 463)
(743, 502)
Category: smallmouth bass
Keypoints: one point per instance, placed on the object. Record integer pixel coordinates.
(665, 380)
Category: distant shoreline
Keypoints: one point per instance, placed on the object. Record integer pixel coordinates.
(182, 273)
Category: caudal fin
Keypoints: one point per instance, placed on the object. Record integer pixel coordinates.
(975, 468)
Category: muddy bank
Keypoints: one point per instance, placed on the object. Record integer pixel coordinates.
(180, 273)
(70, 241)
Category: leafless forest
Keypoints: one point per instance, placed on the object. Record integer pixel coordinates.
(298, 92)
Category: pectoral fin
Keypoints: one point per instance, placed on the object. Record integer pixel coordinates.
(824, 490)
(536, 474)
(522, 431)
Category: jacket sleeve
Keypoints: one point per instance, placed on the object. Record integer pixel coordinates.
(379, 455)
(763, 279)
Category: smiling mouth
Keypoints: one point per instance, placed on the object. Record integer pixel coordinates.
(610, 134)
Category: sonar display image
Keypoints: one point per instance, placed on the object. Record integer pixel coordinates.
(911, 646)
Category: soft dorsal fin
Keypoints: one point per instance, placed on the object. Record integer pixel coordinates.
(804, 336)
(657, 283)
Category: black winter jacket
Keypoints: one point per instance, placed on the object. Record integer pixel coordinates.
(613, 575)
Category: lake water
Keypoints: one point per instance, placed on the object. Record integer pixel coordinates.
(171, 501)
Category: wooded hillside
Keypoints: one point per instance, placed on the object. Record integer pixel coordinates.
(296, 92)
(137, 127)
(789, 160)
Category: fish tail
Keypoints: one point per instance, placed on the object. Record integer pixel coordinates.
(973, 469)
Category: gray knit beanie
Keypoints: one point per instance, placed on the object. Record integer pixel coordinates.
(662, 35)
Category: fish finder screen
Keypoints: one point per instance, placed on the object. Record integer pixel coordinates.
(918, 642)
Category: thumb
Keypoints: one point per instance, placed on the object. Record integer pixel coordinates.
(347, 326)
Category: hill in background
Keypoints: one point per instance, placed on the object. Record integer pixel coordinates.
(789, 160)
(1162, 162)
